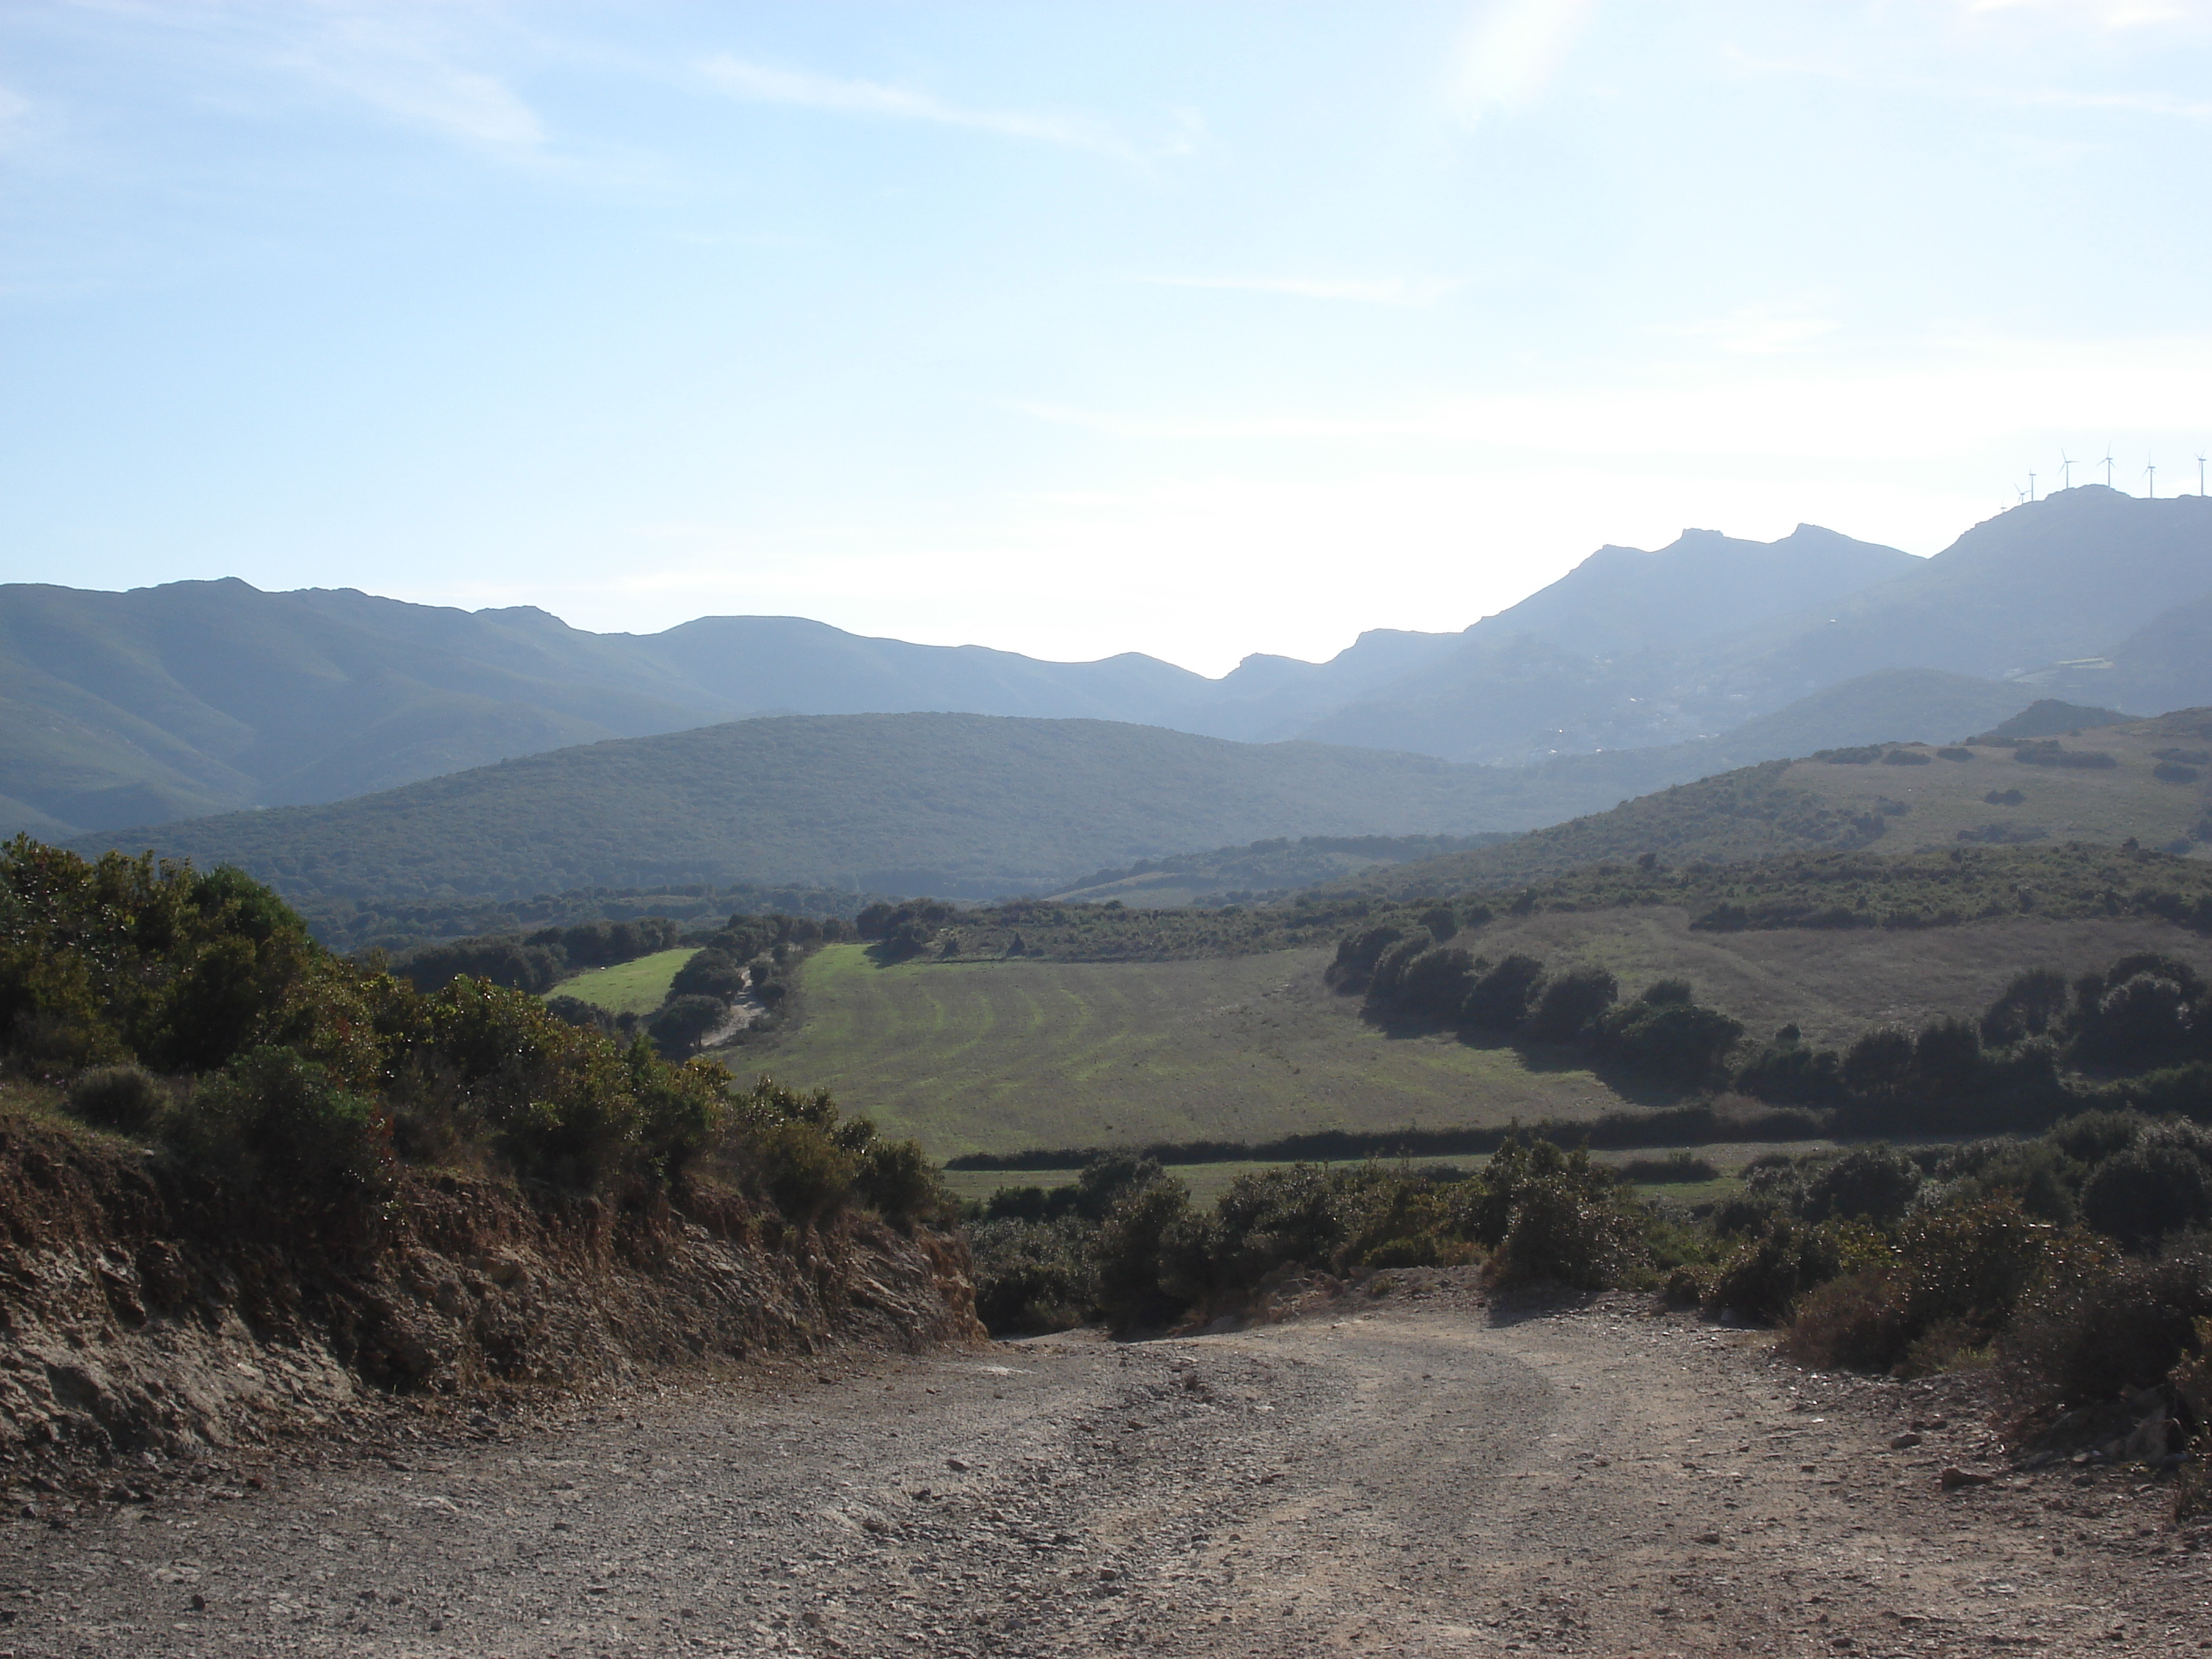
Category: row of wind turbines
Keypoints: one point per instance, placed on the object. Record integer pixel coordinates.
(2067, 463)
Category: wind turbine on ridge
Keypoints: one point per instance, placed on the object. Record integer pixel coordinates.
(2065, 471)
(2031, 486)
(2108, 466)
(2200, 476)
(2151, 473)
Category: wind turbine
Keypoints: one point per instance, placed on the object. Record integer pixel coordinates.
(2031, 486)
(2151, 471)
(2065, 471)
(2108, 466)
(2200, 475)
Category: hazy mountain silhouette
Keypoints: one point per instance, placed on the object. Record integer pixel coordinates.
(199, 697)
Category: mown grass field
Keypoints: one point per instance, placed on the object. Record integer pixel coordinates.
(628, 988)
(997, 1056)
(1000, 1056)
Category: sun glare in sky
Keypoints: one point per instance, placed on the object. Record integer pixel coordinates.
(1074, 329)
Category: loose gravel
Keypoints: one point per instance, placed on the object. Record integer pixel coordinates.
(1421, 1472)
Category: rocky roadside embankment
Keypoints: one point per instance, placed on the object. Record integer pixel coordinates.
(141, 1318)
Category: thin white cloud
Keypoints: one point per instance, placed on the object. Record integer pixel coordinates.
(1512, 51)
(408, 72)
(1369, 291)
(2107, 13)
(1756, 332)
(760, 83)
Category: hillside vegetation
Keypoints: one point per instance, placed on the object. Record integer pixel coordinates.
(956, 805)
(2139, 781)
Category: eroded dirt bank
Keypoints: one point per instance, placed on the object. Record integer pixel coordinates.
(1419, 1475)
(140, 1314)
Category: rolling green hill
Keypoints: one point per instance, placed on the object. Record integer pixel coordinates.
(962, 806)
(2109, 784)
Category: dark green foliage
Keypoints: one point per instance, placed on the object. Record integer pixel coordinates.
(2100, 1323)
(1031, 1275)
(1389, 975)
(1499, 998)
(1665, 1034)
(1142, 1256)
(1774, 1267)
(896, 1180)
(276, 1130)
(1871, 1183)
(1353, 969)
(713, 972)
(1572, 1003)
(1435, 984)
(2057, 754)
(681, 1023)
(127, 1098)
(2139, 1194)
(536, 961)
(2031, 1005)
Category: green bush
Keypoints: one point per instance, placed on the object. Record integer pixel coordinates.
(896, 1180)
(1572, 1003)
(274, 1132)
(2143, 1192)
(1032, 1277)
(2099, 1323)
(127, 1098)
(1874, 1183)
(1564, 1233)
(1145, 1253)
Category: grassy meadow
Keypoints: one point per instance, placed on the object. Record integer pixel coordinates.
(2065, 802)
(994, 1057)
(629, 988)
(999, 1056)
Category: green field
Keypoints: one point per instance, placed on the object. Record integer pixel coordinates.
(1003, 1055)
(628, 988)
(997, 1056)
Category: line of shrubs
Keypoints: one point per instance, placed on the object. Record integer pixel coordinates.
(2079, 1260)
(192, 1009)
(2140, 1032)
(1415, 974)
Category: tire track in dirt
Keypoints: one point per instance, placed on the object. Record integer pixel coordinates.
(1421, 1475)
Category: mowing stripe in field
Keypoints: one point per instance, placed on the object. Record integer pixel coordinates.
(995, 1055)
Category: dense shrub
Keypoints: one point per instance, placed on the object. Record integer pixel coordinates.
(1872, 1183)
(1144, 1254)
(1572, 1003)
(1031, 1276)
(2099, 1323)
(1499, 997)
(1666, 1033)
(123, 1097)
(680, 1024)
(2146, 1190)
(275, 1131)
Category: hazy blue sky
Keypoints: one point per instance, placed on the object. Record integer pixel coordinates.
(1192, 328)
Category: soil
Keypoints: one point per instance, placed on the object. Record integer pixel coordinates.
(1421, 1472)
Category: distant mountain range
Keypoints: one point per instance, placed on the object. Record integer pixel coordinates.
(1636, 670)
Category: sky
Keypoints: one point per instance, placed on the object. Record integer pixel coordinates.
(1184, 326)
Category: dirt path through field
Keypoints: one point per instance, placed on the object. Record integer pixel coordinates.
(1417, 1474)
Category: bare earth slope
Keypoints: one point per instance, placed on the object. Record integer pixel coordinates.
(1419, 1475)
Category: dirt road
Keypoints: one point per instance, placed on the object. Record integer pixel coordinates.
(1417, 1473)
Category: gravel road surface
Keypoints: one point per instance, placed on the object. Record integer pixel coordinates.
(1419, 1473)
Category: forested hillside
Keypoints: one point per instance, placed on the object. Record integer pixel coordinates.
(961, 805)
